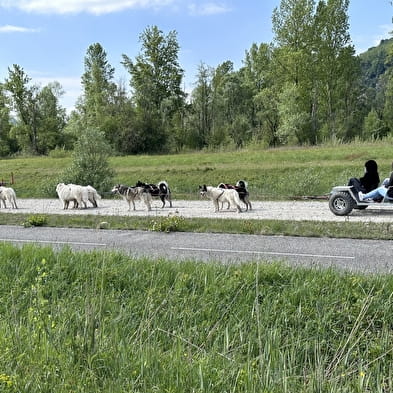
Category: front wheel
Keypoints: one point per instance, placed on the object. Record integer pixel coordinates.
(341, 204)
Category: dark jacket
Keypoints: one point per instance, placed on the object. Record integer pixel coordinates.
(370, 180)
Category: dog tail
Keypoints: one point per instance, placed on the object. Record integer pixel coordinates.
(242, 183)
(163, 186)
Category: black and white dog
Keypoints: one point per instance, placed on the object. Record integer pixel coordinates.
(130, 194)
(242, 189)
(160, 190)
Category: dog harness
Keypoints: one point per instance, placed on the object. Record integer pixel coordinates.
(222, 192)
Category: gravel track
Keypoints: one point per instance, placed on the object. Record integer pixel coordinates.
(289, 210)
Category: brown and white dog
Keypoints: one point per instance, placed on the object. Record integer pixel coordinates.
(160, 190)
(131, 194)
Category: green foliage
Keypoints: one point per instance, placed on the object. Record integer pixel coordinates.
(90, 161)
(36, 220)
(40, 119)
(333, 92)
(59, 152)
(110, 323)
(373, 126)
(156, 78)
(171, 223)
(375, 62)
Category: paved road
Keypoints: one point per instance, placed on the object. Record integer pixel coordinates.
(367, 256)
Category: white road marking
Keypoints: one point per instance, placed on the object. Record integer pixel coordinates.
(262, 252)
(53, 242)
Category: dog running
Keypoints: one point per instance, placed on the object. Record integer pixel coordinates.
(242, 189)
(130, 194)
(160, 190)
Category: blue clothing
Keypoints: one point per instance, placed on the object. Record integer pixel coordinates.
(379, 192)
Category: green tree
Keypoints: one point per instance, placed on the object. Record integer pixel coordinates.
(40, 119)
(52, 117)
(293, 26)
(98, 86)
(90, 161)
(385, 90)
(156, 78)
(199, 122)
(232, 114)
(337, 68)
(5, 124)
(260, 79)
(293, 119)
(373, 127)
(313, 51)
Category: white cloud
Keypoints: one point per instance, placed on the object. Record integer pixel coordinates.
(385, 33)
(16, 29)
(363, 43)
(74, 6)
(208, 8)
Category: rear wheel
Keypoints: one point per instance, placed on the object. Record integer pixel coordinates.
(341, 204)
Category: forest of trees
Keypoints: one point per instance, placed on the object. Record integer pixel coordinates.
(307, 86)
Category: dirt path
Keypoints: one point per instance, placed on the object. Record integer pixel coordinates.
(290, 210)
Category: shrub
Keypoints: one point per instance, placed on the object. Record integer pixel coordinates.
(171, 223)
(90, 163)
(35, 220)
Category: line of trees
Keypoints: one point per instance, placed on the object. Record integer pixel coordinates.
(305, 87)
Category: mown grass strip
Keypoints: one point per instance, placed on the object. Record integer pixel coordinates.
(354, 230)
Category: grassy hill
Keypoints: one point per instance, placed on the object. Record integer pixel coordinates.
(271, 173)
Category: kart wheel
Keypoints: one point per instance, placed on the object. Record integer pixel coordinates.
(341, 204)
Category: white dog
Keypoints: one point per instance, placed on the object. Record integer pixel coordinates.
(91, 193)
(72, 192)
(218, 195)
(8, 194)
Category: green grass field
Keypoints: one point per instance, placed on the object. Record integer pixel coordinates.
(104, 322)
(271, 174)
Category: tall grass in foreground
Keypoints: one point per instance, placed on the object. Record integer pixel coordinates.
(104, 322)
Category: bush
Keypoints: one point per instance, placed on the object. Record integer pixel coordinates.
(59, 152)
(35, 220)
(90, 163)
(171, 223)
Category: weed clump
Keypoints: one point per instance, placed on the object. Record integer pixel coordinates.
(171, 223)
(35, 220)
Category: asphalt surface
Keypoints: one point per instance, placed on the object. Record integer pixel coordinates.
(368, 256)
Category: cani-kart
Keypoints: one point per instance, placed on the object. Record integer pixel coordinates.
(342, 201)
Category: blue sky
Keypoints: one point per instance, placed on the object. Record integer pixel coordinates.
(49, 38)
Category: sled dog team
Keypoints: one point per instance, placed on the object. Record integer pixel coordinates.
(79, 195)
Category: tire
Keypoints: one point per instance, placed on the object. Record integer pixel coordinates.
(341, 204)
